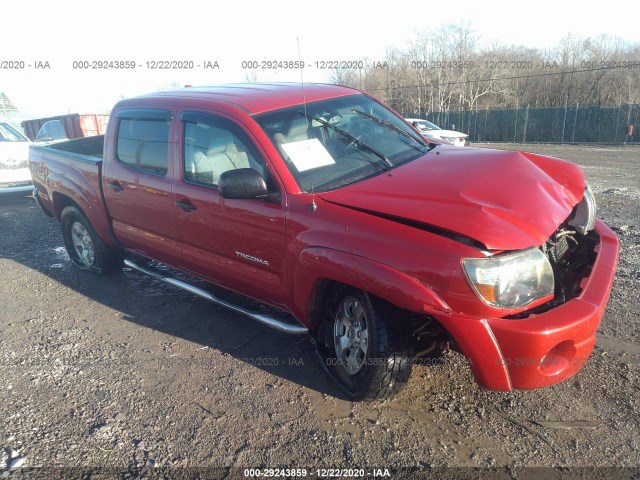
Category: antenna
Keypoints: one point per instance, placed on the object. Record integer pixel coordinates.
(304, 100)
(313, 207)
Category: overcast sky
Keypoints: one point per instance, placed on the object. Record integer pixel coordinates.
(65, 31)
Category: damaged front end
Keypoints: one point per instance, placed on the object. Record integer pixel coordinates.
(547, 342)
(572, 256)
(571, 251)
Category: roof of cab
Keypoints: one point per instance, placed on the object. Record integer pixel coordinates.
(257, 98)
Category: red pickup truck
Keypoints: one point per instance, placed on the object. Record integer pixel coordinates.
(324, 204)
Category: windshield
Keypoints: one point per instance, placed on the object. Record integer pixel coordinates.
(10, 134)
(52, 130)
(332, 143)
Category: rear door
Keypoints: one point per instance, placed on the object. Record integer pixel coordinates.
(237, 243)
(137, 180)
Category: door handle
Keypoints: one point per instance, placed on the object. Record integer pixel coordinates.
(115, 186)
(186, 205)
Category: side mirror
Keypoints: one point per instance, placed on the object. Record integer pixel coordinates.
(242, 183)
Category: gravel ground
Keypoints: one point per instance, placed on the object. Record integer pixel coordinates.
(122, 372)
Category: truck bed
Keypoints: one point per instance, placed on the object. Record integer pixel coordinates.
(88, 149)
(70, 172)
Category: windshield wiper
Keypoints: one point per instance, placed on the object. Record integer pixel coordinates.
(390, 125)
(353, 139)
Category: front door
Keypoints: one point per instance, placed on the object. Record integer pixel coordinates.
(236, 243)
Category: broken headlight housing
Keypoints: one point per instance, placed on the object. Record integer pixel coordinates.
(510, 280)
(584, 218)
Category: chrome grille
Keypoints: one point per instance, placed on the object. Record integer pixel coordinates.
(15, 166)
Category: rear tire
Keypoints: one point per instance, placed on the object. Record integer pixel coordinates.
(367, 346)
(85, 248)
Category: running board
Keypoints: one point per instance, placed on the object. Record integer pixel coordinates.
(264, 319)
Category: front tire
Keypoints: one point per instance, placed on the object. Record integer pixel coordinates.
(367, 345)
(85, 248)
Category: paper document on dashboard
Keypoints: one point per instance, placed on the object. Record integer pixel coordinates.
(308, 154)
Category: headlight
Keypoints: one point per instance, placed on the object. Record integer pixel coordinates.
(511, 280)
(450, 139)
(585, 218)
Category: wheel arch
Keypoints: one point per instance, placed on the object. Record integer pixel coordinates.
(61, 201)
(318, 270)
(86, 249)
(96, 216)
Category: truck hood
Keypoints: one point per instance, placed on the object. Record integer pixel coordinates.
(504, 200)
(444, 133)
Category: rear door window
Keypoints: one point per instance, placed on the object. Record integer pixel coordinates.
(143, 140)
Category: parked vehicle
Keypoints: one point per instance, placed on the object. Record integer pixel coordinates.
(433, 132)
(65, 127)
(325, 204)
(14, 152)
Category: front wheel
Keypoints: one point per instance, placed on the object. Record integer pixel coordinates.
(85, 248)
(367, 345)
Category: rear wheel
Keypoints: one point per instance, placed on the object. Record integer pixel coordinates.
(85, 248)
(367, 344)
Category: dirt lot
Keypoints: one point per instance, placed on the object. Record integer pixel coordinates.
(123, 372)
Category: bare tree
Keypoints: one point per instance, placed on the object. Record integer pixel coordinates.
(6, 105)
(448, 69)
(252, 76)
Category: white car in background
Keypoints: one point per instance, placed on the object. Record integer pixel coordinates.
(14, 151)
(433, 132)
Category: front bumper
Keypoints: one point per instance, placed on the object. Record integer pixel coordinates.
(15, 179)
(543, 349)
(27, 187)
